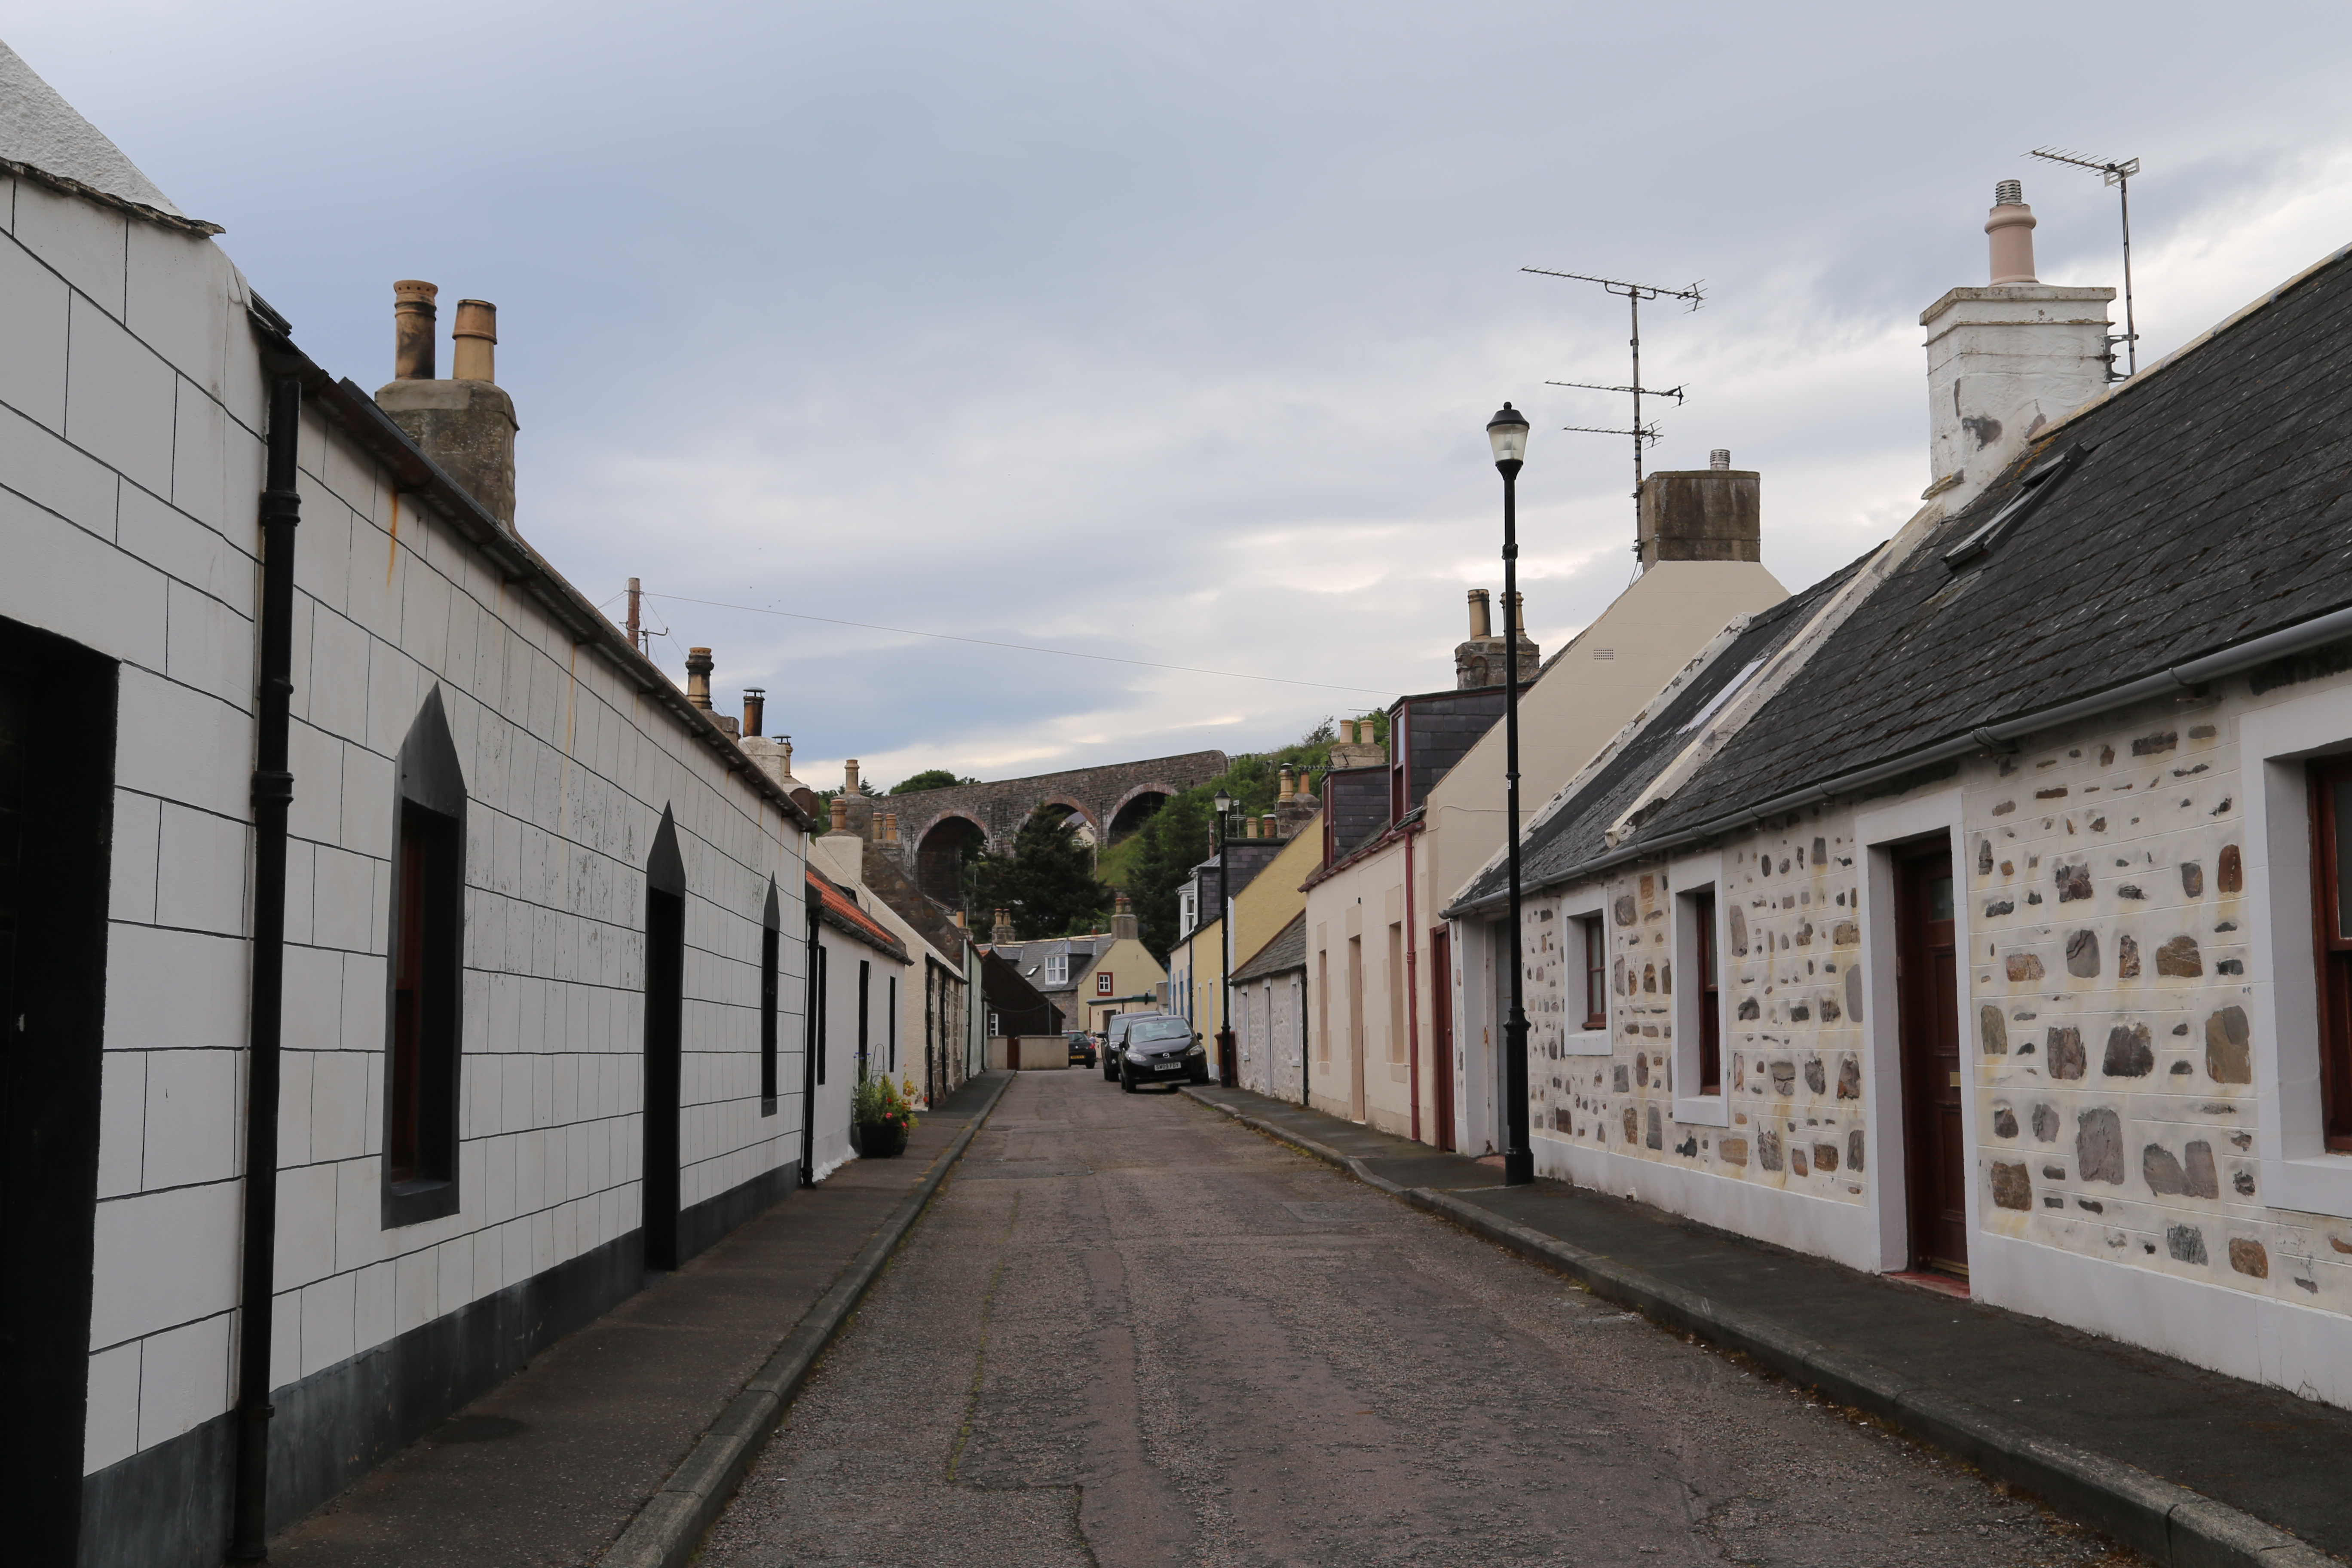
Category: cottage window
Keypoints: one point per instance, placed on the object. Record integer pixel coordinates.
(1058, 969)
(423, 998)
(1102, 983)
(771, 953)
(423, 1011)
(1691, 991)
(2331, 867)
(1593, 937)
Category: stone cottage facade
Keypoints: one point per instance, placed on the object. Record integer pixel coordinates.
(1982, 917)
(519, 1020)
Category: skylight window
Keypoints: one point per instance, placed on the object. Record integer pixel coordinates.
(1730, 690)
(2037, 487)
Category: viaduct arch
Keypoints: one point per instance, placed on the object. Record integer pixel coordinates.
(934, 823)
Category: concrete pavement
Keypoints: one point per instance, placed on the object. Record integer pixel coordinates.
(2184, 1465)
(1127, 1332)
(555, 1464)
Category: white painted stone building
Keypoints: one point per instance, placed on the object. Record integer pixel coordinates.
(543, 925)
(1975, 913)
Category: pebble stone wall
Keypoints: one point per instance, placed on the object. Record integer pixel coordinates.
(2109, 1046)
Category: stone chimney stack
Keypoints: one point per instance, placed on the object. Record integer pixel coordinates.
(1122, 920)
(1001, 934)
(466, 424)
(1701, 514)
(1356, 748)
(1478, 662)
(774, 757)
(2004, 361)
(854, 808)
(698, 666)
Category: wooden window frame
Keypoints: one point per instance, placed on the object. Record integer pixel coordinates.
(1593, 931)
(1708, 977)
(771, 958)
(425, 977)
(2331, 952)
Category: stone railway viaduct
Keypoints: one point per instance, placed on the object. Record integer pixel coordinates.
(933, 824)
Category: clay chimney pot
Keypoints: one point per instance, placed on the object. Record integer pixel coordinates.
(2011, 229)
(473, 342)
(412, 330)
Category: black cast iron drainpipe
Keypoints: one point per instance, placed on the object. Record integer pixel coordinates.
(273, 792)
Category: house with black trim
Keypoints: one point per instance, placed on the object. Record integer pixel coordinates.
(399, 967)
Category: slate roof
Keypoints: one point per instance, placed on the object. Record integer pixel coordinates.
(1572, 834)
(2212, 504)
(1285, 953)
(837, 908)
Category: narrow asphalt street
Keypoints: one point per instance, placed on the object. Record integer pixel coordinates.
(1132, 1332)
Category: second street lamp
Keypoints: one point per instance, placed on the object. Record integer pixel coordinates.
(1508, 432)
(1225, 1064)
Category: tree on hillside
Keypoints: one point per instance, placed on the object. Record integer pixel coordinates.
(1048, 883)
(929, 778)
(1173, 840)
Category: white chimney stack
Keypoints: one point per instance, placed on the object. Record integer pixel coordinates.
(2006, 359)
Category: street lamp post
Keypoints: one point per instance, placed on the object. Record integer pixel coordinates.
(1508, 433)
(1227, 1073)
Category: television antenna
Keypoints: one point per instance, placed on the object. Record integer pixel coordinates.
(1633, 294)
(2118, 175)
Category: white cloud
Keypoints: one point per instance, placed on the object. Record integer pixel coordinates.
(1168, 332)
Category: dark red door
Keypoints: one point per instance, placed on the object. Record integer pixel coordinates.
(1927, 989)
(1441, 1032)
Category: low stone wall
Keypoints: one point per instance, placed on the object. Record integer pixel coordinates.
(1029, 1053)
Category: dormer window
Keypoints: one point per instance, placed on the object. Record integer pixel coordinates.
(1058, 969)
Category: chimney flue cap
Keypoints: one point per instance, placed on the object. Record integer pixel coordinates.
(1719, 459)
(2008, 193)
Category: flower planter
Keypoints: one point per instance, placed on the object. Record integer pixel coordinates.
(881, 1139)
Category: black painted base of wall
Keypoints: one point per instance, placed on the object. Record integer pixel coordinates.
(168, 1507)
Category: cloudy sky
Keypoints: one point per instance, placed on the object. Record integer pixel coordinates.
(1166, 332)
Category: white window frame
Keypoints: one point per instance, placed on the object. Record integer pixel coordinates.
(1698, 874)
(1576, 907)
(1188, 910)
(2282, 990)
(1058, 968)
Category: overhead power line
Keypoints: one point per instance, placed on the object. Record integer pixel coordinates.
(1018, 648)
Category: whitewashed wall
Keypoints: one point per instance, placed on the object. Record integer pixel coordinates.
(131, 461)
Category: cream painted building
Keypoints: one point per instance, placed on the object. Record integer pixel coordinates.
(1401, 841)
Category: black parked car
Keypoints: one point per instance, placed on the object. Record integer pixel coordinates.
(1161, 1049)
(1082, 1049)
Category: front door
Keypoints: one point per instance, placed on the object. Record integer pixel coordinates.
(1441, 1032)
(1927, 992)
(56, 802)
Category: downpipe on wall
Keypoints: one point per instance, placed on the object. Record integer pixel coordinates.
(273, 793)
